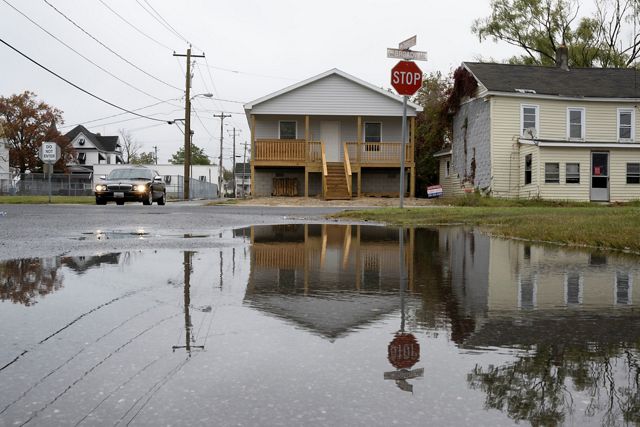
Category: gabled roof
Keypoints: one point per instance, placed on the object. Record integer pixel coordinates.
(333, 72)
(577, 82)
(102, 143)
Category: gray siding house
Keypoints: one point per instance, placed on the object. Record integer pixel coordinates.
(332, 135)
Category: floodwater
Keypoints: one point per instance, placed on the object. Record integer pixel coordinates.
(323, 325)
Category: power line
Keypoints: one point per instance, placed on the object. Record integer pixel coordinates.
(133, 26)
(78, 53)
(78, 87)
(229, 70)
(108, 48)
(155, 15)
(119, 114)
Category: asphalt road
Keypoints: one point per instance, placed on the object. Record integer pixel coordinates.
(50, 230)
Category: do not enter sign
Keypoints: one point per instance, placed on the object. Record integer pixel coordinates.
(406, 78)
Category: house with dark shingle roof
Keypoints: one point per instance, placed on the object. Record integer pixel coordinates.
(550, 132)
(93, 148)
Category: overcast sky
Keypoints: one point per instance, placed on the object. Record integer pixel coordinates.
(252, 48)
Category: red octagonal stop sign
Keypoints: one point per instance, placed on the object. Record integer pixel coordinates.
(406, 77)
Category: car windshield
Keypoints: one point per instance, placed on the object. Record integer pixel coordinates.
(130, 174)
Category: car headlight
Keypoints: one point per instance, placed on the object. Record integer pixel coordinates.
(101, 187)
(140, 188)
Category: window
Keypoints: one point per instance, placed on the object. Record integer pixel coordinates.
(288, 130)
(573, 288)
(552, 173)
(372, 135)
(528, 160)
(529, 121)
(623, 288)
(626, 120)
(575, 123)
(527, 290)
(633, 173)
(447, 169)
(572, 175)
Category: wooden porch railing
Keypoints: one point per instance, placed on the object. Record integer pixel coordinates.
(293, 150)
(379, 152)
(347, 168)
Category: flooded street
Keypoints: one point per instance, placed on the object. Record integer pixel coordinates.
(321, 324)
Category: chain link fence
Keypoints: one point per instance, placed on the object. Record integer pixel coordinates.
(37, 184)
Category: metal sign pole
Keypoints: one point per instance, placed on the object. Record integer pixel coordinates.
(403, 148)
(50, 169)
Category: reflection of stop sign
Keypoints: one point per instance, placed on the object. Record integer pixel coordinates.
(406, 78)
(404, 351)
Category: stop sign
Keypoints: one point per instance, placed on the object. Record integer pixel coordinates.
(406, 77)
(403, 351)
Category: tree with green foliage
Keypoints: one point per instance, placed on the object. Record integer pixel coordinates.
(539, 27)
(433, 127)
(198, 157)
(27, 123)
(144, 158)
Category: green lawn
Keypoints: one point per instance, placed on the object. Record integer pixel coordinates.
(23, 200)
(576, 224)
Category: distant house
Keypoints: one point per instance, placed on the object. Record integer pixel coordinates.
(549, 132)
(243, 179)
(332, 135)
(4, 154)
(93, 148)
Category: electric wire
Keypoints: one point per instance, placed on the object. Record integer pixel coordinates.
(78, 53)
(156, 16)
(134, 27)
(267, 76)
(117, 115)
(108, 48)
(78, 87)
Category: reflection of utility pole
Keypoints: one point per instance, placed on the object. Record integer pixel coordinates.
(187, 302)
(222, 116)
(187, 120)
(220, 269)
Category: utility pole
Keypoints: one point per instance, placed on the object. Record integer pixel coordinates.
(235, 132)
(244, 167)
(222, 116)
(187, 121)
(155, 157)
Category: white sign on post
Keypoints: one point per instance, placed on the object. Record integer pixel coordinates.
(410, 42)
(414, 55)
(49, 152)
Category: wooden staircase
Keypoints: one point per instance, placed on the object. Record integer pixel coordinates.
(336, 183)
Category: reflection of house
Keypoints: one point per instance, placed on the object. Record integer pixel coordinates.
(81, 263)
(93, 148)
(328, 278)
(332, 134)
(550, 132)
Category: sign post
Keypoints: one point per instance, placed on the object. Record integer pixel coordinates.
(406, 79)
(49, 154)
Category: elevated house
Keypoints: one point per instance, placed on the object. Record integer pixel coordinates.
(93, 149)
(544, 132)
(332, 135)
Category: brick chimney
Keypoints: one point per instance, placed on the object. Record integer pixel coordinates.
(562, 57)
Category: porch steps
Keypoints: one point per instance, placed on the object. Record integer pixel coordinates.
(336, 183)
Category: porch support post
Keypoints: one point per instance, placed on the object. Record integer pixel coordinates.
(358, 154)
(253, 156)
(306, 155)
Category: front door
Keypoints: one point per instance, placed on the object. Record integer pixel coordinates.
(599, 176)
(330, 136)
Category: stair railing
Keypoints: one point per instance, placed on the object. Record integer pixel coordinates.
(325, 173)
(347, 167)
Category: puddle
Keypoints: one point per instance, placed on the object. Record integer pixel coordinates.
(322, 325)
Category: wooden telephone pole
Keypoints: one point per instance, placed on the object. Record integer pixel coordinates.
(187, 122)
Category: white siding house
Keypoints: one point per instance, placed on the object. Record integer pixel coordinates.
(93, 148)
(332, 135)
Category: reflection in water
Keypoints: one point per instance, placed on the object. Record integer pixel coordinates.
(22, 281)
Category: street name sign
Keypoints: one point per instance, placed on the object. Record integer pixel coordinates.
(406, 44)
(410, 55)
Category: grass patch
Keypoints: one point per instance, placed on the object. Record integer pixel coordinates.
(223, 202)
(38, 200)
(575, 224)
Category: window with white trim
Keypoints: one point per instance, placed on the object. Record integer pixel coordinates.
(552, 173)
(575, 123)
(633, 173)
(528, 162)
(623, 288)
(572, 173)
(372, 136)
(626, 122)
(288, 129)
(529, 120)
(573, 288)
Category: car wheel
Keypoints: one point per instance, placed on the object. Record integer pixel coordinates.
(100, 201)
(162, 200)
(119, 202)
(149, 200)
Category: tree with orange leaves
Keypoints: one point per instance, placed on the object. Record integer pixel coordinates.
(27, 123)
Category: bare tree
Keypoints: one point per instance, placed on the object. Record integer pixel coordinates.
(130, 147)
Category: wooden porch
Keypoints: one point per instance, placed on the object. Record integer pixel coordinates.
(354, 156)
